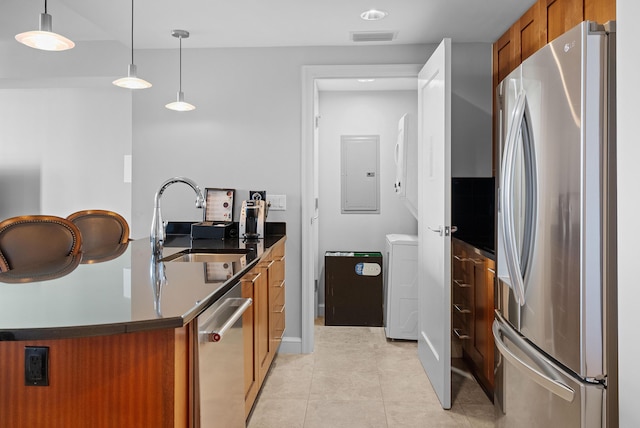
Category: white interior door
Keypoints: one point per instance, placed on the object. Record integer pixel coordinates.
(434, 217)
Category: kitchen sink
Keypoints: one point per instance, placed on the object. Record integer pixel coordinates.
(204, 256)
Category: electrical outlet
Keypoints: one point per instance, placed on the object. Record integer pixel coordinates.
(36, 365)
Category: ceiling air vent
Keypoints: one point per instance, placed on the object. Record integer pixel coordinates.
(373, 36)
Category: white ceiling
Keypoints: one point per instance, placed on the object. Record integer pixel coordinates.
(263, 23)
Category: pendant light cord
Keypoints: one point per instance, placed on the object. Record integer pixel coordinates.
(45, 6)
(180, 64)
(131, 31)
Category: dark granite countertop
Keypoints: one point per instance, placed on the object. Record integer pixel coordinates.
(481, 250)
(132, 291)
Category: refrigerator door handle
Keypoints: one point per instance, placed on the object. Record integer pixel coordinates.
(549, 380)
(506, 189)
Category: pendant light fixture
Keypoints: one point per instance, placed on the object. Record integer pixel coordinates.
(132, 81)
(44, 39)
(180, 104)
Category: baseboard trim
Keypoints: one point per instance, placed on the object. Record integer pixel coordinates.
(291, 345)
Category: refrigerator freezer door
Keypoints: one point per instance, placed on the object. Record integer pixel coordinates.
(555, 244)
(535, 392)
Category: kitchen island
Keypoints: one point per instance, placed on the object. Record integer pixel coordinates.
(119, 335)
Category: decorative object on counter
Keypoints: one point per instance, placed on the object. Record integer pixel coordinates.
(218, 216)
(42, 272)
(132, 81)
(254, 215)
(22, 243)
(103, 232)
(158, 234)
(180, 104)
(219, 204)
(45, 39)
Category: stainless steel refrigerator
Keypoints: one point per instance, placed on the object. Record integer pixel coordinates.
(555, 322)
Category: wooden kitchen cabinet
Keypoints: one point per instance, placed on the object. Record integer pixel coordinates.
(143, 376)
(250, 282)
(543, 22)
(563, 15)
(277, 296)
(263, 346)
(600, 10)
(531, 30)
(472, 312)
(265, 284)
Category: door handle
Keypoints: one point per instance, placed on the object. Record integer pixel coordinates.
(549, 380)
(438, 230)
(516, 281)
(446, 231)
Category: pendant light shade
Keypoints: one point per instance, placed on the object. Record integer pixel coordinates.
(44, 39)
(180, 104)
(132, 81)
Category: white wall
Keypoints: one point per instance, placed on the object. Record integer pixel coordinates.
(628, 63)
(63, 150)
(360, 113)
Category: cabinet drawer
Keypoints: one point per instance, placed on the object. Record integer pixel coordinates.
(277, 296)
(278, 315)
(277, 270)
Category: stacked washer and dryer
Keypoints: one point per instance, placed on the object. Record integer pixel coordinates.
(401, 252)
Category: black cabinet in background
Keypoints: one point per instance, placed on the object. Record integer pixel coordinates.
(353, 289)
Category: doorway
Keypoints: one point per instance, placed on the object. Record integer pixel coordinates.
(312, 77)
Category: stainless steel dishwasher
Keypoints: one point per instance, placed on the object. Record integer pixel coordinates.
(219, 363)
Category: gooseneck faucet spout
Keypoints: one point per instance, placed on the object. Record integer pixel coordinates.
(157, 225)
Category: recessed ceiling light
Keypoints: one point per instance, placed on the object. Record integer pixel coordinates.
(366, 80)
(373, 15)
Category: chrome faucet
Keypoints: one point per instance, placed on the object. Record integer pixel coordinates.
(158, 234)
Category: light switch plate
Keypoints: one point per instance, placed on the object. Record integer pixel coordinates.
(278, 202)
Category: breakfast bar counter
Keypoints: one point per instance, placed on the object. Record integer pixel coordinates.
(119, 333)
(131, 292)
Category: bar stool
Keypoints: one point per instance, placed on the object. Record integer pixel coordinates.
(35, 239)
(105, 234)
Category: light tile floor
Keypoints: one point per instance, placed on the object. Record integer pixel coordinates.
(357, 378)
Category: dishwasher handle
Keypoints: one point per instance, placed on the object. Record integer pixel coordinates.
(217, 332)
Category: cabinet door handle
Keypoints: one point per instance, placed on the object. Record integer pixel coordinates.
(266, 265)
(491, 270)
(461, 334)
(255, 277)
(461, 284)
(461, 309)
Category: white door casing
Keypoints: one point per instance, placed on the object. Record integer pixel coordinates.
(434, 217)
